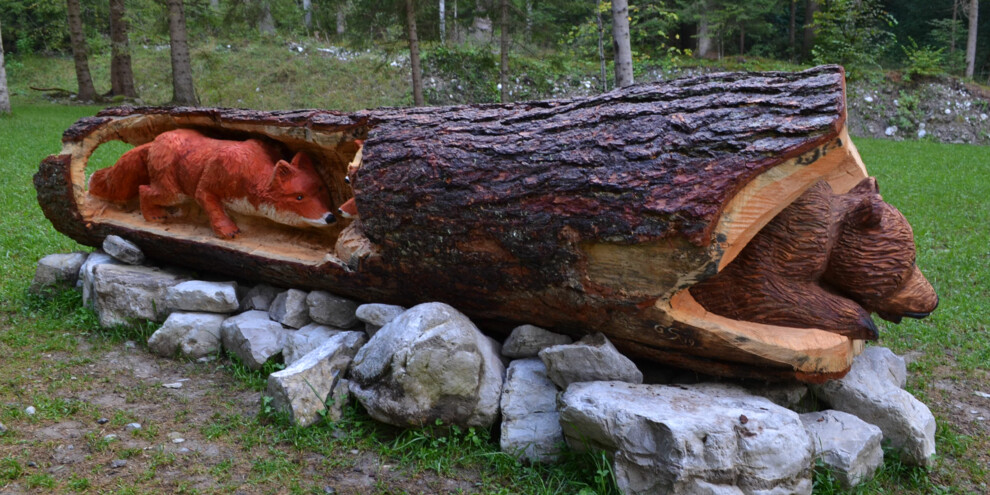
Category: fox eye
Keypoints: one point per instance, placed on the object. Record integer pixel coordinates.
(299, 198)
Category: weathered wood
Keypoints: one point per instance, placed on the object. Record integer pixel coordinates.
(588, 214)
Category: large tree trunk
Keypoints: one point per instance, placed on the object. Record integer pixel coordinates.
(443, 22)
(792, 31)
(417, 75)
(308, 14)
(4, 93)
(503, 68)
(266, 23)
(182, 82)
(121, 75)
(601, 46)
(85, 81)
(704, 36)
(974, 11)
(620, 40)
(581, 215)
(810, 7)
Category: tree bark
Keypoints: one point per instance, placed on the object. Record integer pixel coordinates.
(308, 14)
(952, 29)
(266, 23)
(810, 7)
(742, 39)
(620, 38)
(183, 92)
(341, 20)
(586, 214)
(601, 45)
(704, 36)
(503, 70)
(4, 93)
(792, 31)
(417, 76)
(443, 22)
(121, 75)
(974, 11)
(85, 81)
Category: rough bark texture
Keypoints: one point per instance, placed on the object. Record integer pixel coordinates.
(86, 90)
(810, 7)
(121, 75)
(182, 82)
(974, 11)
(417, 75)
(503, 71)
(4, 93)
(622, 48)
(580, 215)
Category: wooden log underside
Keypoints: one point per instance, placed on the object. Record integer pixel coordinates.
(590, 214)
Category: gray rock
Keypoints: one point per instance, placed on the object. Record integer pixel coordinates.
(252, 337)
(300, 342)
(311, 387)
(57, 270)
(528, 340)
(593, 358)
(690, 439)
(792, 395)
(849, 446)
(194, 334)
(132, 426)
(124, 293)
(87, 273)
(200, 296)
(332, 310)
(430, 363)
(530, 421)
(118, 463)
(259, 297)
(871, 392)
(289, 308)
(123, 250)
(375, 316)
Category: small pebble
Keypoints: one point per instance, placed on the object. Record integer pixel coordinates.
(3, 429)
(178, 440)
(32, 464)
(974, 411)
(132, 426)
(183, 450)
(130, 344)
(355, 452)
(30, 410)
(172, 385)
(102, 421)
(109, 438)
(118, 463)
(981, 394)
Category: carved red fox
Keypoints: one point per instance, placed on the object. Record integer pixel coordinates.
(246, 177)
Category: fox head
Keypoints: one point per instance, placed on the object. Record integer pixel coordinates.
(873, 261)
(296, 195)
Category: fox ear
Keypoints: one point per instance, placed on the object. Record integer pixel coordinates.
(866, 213)
(301, 160)
(283, 170)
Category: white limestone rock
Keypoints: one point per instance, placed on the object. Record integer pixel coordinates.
(847, 445)
(252, 337)
(289, 308)
(124, 293)
(528, 340)
(430, 363)
(300, 342)
(311, 387)
(375, 316)
(88, 271)
(872, 392)
(193, 334)
(201, 296)
(530, 420)
(332, 310)
(57, 270)
(593, 358)
(123, 250)
(690, 439)
(259, 297)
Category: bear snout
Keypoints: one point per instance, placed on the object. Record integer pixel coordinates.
(915, 298)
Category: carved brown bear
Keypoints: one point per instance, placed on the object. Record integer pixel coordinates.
(826, 261)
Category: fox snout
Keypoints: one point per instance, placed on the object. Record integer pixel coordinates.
(330, 218)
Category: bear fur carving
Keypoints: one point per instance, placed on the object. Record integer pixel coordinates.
(246, 177)
(826, 261)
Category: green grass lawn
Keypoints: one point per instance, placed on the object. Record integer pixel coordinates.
(943, 190)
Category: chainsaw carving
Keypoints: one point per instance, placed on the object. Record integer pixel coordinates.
(621, 213)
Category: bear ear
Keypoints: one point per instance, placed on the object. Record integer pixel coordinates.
(866, 213)
(866, 186)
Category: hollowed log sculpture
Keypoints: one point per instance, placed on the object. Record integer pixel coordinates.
(721, 223)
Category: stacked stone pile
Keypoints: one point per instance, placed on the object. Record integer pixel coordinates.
(665, 433)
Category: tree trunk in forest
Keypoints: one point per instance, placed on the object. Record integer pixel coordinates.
(85, 81)
(308, 14)
(341, 20)
(704, 36)
(417, 76)
(810, 7)
(974, 11)
(529, 21)
(266, 23)
(620, 40)
(742, 39)
(4, 93)
(601, 46)
(443, 22)
(952, 28)
(183, 92)
(503, 69)
(792, 31)
(512, 214)
(121, 75)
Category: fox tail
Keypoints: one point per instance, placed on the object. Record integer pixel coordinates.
(121, 182)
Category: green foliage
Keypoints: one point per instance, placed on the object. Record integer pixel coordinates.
(909, 113)
(946, 33)
(853, 33)
(923, 61)
(474, 67)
